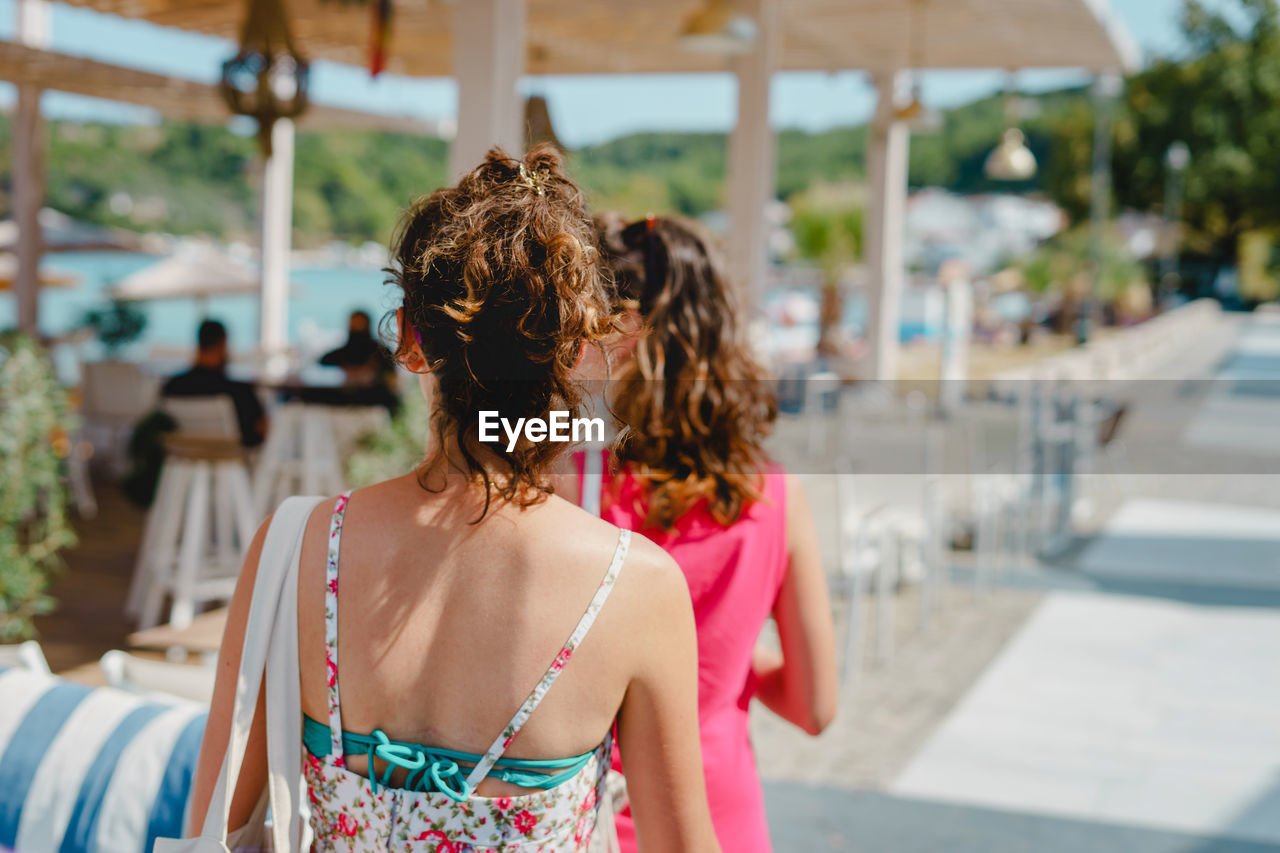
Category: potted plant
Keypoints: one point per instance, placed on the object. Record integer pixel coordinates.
(35, 428)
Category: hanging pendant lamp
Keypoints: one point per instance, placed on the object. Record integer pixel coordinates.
(1011, 160)
(267, 79)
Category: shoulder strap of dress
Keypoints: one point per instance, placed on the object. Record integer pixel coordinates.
(331, 626)
(504, 740)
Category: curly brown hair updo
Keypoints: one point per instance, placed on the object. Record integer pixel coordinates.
(694, 404)
(501, 288)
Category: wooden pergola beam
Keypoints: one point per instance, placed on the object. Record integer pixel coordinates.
(172, 97)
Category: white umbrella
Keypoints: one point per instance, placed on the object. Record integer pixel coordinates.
(190, 274)
(194, 273)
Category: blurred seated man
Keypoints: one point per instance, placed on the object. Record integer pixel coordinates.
(368, 366)
(208, 378)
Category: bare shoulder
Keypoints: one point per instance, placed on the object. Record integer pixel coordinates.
(652, 582)
(316, 529)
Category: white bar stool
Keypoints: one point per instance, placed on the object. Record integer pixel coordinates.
(300, 457)
(305, 447)
(202, 519)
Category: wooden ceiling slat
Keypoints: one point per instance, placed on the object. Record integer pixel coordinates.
(605, 36)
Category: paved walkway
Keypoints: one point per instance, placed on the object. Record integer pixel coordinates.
(1130, 706)
(1122, 700)
(817, 820)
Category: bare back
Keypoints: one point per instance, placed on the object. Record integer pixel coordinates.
(445, 625)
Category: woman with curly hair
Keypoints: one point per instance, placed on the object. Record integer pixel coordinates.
(689, 470)
(457, 586)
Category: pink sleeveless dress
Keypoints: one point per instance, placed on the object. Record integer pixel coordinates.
(734, 575)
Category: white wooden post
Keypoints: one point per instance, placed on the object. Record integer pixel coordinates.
(752, 162)
(887, 148)
(957, 332)
(277, 234)
(31, 28)
(488, 60)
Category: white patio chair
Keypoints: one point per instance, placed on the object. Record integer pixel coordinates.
(158, 680)
(997, 466)
(863, 559)
(892, 520)
(895, 451)
(26, 655)
(114, 396)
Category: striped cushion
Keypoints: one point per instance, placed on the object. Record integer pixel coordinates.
(86, 769)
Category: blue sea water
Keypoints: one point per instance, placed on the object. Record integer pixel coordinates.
(319, 303)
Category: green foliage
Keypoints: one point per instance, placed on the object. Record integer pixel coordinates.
(654, 172)
(394, 451)
(117, 325)
(826, 223)
(1223, 102)
(1257, 256)
(1065, 263)
(34, 427)
(352, 185)
(197, 179)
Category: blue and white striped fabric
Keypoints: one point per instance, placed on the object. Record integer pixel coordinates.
(91, 770)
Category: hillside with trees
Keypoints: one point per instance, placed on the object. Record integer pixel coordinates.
(350, 185)
(1222, 101)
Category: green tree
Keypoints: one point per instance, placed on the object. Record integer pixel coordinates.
(826, 223)
(1224, 103)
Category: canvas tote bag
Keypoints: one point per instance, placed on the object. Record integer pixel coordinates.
(270, 652)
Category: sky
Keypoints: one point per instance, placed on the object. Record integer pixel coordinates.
(585, 110)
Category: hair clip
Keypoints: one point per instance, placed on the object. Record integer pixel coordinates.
(532, 180)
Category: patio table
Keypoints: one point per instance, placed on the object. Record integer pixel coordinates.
(202, 636)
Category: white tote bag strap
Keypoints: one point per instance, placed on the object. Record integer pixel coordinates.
(284, 697)
(274, 596)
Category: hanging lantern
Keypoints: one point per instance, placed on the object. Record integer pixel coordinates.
(1011, 160)
(267, 78)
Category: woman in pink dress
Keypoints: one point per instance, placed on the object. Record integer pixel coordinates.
(690, 471)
